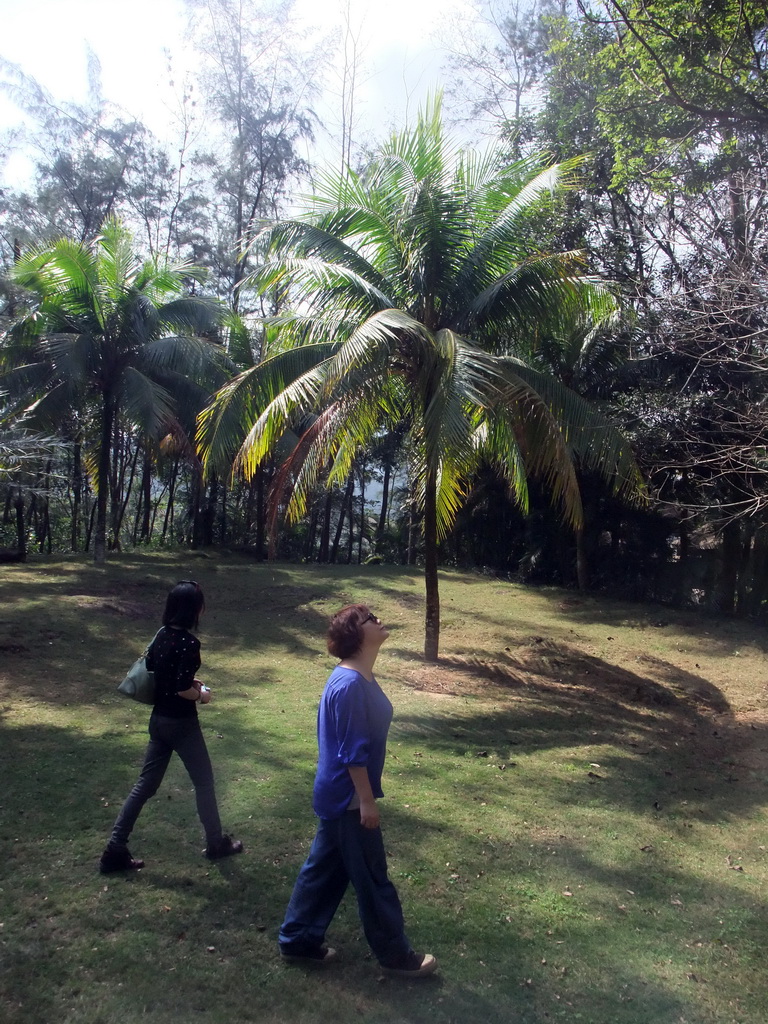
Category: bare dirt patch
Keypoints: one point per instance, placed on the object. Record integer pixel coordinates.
(643, 688)
(115, 606)
(542, 662)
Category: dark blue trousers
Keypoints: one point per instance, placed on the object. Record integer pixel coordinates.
(343, 852)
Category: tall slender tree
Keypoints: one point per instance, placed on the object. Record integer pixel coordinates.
(258, 81)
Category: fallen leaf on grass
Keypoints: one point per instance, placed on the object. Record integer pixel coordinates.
(676, 903)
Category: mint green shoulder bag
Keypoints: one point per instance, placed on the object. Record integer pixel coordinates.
(139, 682)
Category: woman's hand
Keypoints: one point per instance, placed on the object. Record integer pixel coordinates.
(369, 814)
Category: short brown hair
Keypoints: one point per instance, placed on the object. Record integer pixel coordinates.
(345, 632)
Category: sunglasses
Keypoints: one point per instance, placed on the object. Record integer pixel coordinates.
(370, 617)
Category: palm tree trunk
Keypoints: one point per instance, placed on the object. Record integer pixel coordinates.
(120, 458)
(195, 525)
(155, 509)
(77, 487)
(582, 560)
(46, 538)
(209, 512)
(34, 520)
(410, 558)
(260, 513)
(361, 537)
(125, 497)
(432, 620)
(146, 497)
(171, 495)
(107, 424)
(250, 502)
(311, 531)
(21, 529)
(325, 535)
(382, 524)
(351, 530)
(346, 502)
(223, 522)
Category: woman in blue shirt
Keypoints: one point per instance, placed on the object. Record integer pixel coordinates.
(352, 725)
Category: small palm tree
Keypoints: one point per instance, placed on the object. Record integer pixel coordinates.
(397, 279)
(107, 333)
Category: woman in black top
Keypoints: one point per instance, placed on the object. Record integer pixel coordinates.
(174, 657)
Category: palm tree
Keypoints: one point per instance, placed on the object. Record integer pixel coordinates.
(397, 278)
(110, 334)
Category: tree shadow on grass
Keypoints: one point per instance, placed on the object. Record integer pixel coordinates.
(166, 921)
(629, 941)
(87, 629)
(672, 734)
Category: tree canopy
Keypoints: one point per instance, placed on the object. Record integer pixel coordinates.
(401, 284)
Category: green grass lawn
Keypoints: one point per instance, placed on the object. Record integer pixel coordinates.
(575, 807)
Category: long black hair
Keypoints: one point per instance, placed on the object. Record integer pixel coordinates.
(184, 605)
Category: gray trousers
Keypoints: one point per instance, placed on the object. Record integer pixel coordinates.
(166, 736)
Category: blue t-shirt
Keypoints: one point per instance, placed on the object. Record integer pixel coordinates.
(352, 725)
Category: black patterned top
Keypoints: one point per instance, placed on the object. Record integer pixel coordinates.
(174, 657)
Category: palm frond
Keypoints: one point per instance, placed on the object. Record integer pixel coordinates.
(21, 450)
(197, 316)
(145, 402)
(524, 295)
(597, 443)
(226, 425)
(298, 476)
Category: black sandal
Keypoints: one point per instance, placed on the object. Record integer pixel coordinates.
(118, 858)
(225, 847)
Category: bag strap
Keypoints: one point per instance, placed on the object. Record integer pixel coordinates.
(157, 634)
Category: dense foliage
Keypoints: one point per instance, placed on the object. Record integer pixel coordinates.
(372, 320)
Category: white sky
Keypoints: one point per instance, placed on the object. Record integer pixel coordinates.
(49, 40)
